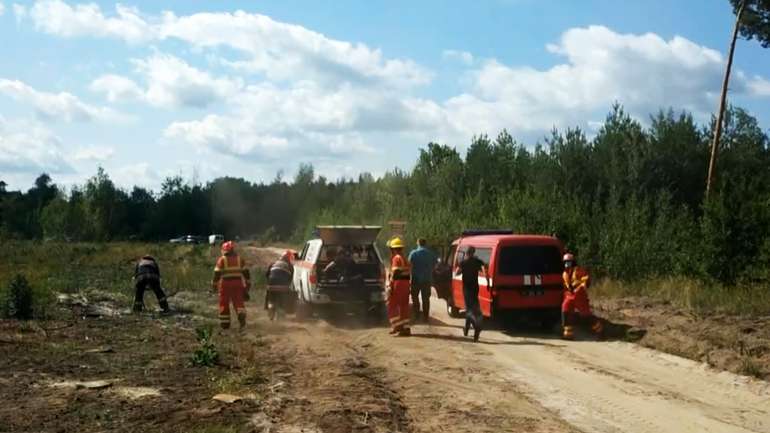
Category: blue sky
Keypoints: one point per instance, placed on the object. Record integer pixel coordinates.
(207, 89)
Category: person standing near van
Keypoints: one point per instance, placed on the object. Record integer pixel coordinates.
(422, 261)
(470, 267)
(398, 298)
(576, 282)
(233, 280)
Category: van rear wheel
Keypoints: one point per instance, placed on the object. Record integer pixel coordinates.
(453, 311)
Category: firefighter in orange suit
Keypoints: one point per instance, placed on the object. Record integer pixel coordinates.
(232, 279)
(576, 282)
(398, 296)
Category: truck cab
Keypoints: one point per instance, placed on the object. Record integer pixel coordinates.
(524, 274)
(360, 283)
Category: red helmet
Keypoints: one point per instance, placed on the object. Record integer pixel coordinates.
(288, 256)
(228, 247)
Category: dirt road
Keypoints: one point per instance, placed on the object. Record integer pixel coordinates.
(509, 382)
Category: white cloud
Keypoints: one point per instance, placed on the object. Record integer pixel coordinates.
(171, 82)
(642, 72)
(59, 18)
(281, 51)
(19, 11)
(759, 86)
(140, 174)
(93, 153)
(29, 147)
(57, 106)
(461, 56)
(117, 88)
(284, 51)
(2, 8)
(268, 122)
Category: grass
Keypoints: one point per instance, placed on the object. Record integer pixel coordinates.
(691, 294)
(95, 269)
(750, 367)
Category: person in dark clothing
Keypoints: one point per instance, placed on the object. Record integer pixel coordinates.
(279, 278)
(147, 274)
(344, 268)
(470, 267)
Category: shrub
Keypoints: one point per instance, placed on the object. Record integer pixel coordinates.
(19, 299)
(206, 355)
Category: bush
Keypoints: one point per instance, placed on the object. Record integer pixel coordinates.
(19, 299)
(206, 355)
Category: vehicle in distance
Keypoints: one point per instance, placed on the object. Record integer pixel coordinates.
(360, 287)
(216, 239)
(525, 275)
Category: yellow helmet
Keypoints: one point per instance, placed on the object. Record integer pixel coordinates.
(396, 243)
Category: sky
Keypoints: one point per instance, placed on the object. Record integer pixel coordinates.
(205, 89)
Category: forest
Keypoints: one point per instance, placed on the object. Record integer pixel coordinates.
(629, 200)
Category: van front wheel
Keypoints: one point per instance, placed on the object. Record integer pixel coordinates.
(453, 311)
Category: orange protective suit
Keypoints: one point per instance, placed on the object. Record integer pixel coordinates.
(398, 301)
(232, 279)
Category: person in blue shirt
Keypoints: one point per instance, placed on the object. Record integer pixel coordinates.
(423, 261)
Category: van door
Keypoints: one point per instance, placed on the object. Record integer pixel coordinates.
(301, 273)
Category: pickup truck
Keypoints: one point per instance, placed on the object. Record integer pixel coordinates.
(357, 279)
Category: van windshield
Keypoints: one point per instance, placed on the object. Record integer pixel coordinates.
(529, 260)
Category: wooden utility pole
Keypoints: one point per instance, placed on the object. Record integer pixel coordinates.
(722, 100)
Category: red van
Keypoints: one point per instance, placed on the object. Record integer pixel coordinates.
(525, 274)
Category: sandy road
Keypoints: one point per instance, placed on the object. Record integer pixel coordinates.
(510, 382)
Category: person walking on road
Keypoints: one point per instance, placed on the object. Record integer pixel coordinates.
(422, 261)
(279, 277)
(470, 267)
(147, 274)
(398, 296)
(576, 282)
(232, 279)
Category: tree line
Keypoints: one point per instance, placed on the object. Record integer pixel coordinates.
(629, 200)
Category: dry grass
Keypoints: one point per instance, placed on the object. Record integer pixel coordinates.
(691, 294)
(95, 269)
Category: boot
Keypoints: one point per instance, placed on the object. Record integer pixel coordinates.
(466, 327)
(138, 307)
(242, 320)
(405, 332)
(568, 332)
(476, 334)
(164, 306)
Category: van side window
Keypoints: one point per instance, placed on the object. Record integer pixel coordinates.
(484, 254)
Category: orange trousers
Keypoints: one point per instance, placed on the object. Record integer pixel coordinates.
(398, 305)
(231, 291)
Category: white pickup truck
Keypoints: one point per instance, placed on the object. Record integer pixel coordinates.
(356, 281)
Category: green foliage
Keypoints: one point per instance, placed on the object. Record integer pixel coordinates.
(755, 22)
(629, 201)
(206, 355)
(19, 299)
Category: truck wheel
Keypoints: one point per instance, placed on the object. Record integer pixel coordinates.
(453, 311)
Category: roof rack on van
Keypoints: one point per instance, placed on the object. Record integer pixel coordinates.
(481, 232)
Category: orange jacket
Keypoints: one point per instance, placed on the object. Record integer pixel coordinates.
(399, 268)
(231, 266)
(577, 279)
